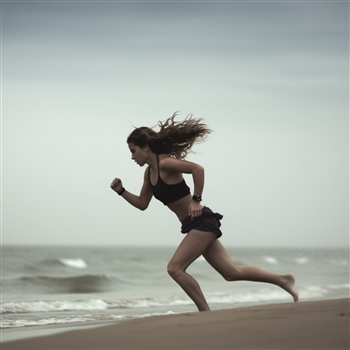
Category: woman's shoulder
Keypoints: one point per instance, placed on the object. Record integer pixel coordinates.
(172, 164)
(176, 165)
(167, 158)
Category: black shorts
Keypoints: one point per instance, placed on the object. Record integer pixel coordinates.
(208, 222)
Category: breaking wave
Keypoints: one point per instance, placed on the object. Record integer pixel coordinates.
(74, 284)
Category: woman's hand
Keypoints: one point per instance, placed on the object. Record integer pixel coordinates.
(117, 185)
(195, 209)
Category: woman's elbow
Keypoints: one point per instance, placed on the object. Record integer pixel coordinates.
(143, 205)
(199, 169)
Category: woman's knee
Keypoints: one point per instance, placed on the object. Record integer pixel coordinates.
(173, 269)
(234, 274)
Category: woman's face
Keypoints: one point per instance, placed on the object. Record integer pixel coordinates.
(138, 154)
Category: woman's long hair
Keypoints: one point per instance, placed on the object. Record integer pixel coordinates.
(174, 137)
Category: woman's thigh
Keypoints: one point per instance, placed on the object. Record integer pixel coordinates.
(217, 256)
(192, 246)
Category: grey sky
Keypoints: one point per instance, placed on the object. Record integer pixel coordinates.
(270, 78)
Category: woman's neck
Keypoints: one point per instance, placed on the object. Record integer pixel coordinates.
(152, 160)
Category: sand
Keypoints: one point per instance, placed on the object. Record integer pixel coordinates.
(303, 325)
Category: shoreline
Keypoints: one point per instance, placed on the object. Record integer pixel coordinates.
(18, 333)
(303, 325)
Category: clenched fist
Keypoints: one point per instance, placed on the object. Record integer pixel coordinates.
(117, 185)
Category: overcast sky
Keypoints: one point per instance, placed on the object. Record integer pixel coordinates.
(270, 78)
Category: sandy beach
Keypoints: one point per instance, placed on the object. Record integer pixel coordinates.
(303, 325)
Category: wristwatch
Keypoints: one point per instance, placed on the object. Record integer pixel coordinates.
(197, 198)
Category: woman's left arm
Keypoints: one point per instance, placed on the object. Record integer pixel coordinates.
(186, 167)
(198, 179)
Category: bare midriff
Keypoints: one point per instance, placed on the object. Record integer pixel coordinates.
(180, 207)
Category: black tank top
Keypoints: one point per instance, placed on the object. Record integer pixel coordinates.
(168, 193)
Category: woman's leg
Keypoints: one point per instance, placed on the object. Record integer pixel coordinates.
(219, 259)
(192, 246)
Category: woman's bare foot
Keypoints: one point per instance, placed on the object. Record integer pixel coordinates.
(287, 282)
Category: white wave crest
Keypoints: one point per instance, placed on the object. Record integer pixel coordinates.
(46, 306)
(74, 263)
(302, 260)
(340, 286)
(77, 319)
(270, 260)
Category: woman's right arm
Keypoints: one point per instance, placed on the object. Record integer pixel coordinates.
(140, 202)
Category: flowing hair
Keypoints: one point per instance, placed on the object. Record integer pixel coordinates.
(174, 137)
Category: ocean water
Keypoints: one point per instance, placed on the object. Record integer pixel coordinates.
(78, 286)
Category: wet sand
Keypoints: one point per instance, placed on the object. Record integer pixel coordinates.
(303, 325)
